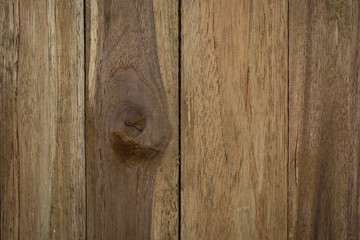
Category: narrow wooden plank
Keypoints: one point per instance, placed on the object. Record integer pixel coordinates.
(131, 126)
(165, 203)
(9, 153)
(324, 119)
(42, 123)
(234, 119)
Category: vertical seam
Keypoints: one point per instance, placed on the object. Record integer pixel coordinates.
(179, 117)
(85, 119)
(288, 116)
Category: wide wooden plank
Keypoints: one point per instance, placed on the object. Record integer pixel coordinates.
(42, 120)
(234, 119)
(324, 119)
(132, 119)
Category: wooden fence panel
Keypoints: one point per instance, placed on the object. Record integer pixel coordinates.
(268, 125)
(324, 119)
(42, 163)
(132, 119)
(234, 119)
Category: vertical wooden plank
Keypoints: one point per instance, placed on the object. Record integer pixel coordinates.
(42, 120)
(324, 119)
(9, 154)
(165, 203)
(68, 209)
(234, 119)
(131, 126)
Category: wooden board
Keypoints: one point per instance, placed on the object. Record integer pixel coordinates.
(324, 119)
(166, 200)
(234, 119)
(42, 163)
(132, 119)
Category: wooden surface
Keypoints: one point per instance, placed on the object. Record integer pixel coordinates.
(131, 123)
(324, 119)
(166, 200)
(42, 120)
(90, 126)
(234, 120)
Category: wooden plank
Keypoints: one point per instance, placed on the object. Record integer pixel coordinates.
(166, 200)
(131, 126)
(324, 119)
(234, 119)
(42, 120)
(9, 154)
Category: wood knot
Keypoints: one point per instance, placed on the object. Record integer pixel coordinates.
(135, 135)
(134, 122)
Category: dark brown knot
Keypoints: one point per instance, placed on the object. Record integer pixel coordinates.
(134, 122)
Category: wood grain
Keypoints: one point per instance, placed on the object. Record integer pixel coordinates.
(129, 119)
(42, 120)
(324, 119)
(165, 202)
(234, 120)
(270, 117)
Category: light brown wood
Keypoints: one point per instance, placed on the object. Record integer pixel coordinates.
(234, 119)
(324, 119)
(131, 119)
(42, 120)
(165, 202)
(270, 119)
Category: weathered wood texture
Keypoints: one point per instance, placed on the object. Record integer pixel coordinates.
(132, 119)
(234, 119)
(42, 173)
(324, 119)
(165, 202)
(270, 119)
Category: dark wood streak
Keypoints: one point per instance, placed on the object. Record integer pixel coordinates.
(127, 127)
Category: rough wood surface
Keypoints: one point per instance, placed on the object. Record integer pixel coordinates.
(234, 119)
(165, 202)
(270, 119)
(42, 173)
(131, 122)
(324, 119)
